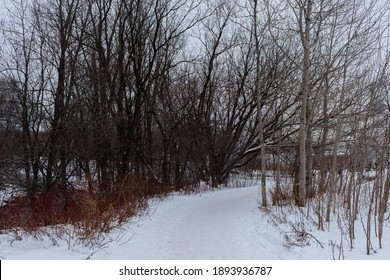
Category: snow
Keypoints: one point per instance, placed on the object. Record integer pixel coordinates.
(225, 224)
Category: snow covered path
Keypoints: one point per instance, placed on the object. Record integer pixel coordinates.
(224, 224)
(217, 223)
(213, 226)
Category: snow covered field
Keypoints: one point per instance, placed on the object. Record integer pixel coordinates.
(225, 224)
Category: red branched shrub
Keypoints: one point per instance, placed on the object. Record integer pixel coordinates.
(62, 205)
(90, 212)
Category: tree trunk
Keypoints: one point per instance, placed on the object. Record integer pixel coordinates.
(304, 29)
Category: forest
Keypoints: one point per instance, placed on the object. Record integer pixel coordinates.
(109, 102)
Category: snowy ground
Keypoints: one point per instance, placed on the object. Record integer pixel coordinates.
(223, 224)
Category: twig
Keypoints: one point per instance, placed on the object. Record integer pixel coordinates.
(127, 240)
(304, 233)
(93, 253)
(311, 235)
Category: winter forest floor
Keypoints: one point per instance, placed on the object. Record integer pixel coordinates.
(223, 224)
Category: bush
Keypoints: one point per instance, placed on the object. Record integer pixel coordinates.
(90, 212)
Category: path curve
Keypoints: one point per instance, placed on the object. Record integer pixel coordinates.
(223, 224)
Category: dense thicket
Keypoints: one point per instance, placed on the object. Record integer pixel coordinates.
(174, 92)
